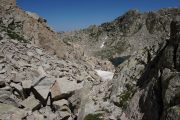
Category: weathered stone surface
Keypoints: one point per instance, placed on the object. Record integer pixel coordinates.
(42, 87)
(19, 114)
(61, 103)
(31, 103)
(65, 114)
(2, 84)
(16, 86)
(5, 108)
(35, 116)
(7, 97)
(63, 87)
(26, 84)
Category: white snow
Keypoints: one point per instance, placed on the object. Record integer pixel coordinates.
(102, 45)
(105, 75)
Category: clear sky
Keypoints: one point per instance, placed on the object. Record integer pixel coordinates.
(67, 15)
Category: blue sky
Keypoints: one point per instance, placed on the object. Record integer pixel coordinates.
(67, 15)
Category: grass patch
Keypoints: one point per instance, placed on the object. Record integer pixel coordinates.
(93, 117)
(11, 31)
(126, 96)
(14, 35)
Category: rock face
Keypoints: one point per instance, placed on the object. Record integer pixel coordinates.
(150, 90)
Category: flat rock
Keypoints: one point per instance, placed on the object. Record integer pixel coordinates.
(26, 84)
(19, 114)
(31, 103)
(7, 108)
(63, 87)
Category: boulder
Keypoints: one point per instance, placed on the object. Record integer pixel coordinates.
(41, 88)
(31, 103)
(63, 88)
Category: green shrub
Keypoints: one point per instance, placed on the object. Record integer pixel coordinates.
(14, 35)
(93, 117)
(126, 96)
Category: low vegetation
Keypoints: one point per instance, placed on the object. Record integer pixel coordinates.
(93, 117)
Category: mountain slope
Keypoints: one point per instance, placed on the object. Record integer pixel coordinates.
(46, 76)
(147, 88)
(124, 35)
(36, 80)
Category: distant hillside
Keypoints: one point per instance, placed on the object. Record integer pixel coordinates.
(124, 35)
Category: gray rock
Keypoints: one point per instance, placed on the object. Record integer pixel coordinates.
(19, 114)
(65, 114)
(42, 88)
(61, 103)
(31, 103)
(26, 84)
(63, 87)
(2, 84)
(16, 86)
(7, 108)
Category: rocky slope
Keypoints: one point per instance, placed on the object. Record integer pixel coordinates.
(48, 76)
(40, 77)
(31, 80)
(144, 47)
(27, 27)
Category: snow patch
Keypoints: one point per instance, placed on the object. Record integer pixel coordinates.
(102, 45)
(105, 75)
